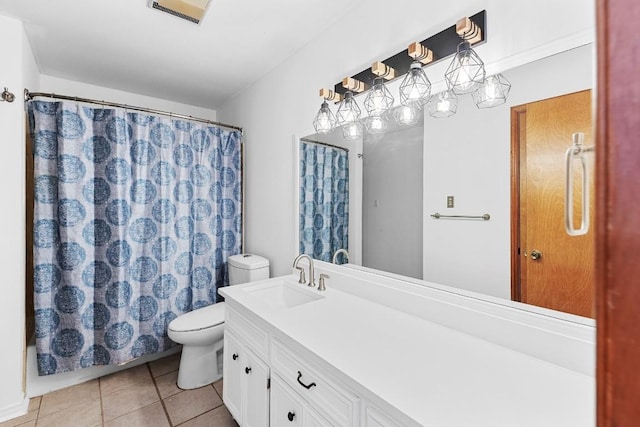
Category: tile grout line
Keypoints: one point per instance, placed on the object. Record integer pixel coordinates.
(101, 403)
(155, 384)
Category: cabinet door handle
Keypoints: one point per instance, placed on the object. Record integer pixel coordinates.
(303, 384)
(247, 370)
(291, 416)
(235, 356)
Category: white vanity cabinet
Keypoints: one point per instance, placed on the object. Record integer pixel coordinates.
(303, 389)
(246, 375)
(380, 352)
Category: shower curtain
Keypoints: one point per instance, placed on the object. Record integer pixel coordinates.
(324, 200)
(134, 218)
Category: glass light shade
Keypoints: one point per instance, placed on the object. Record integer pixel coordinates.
(407, 114)
(325, 120)
(376, 124)
(379, 100)
(444, 104)
(415, 87)
(466, 71)
(494, 91)
(348, 111)
(353, 130)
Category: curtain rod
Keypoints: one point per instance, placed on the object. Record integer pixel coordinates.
(324, 143)
(28, 96)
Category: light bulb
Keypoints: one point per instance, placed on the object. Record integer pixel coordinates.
(444, 104)
(494, 91)
(352, 131)
(406, 114)
(464, 83)
(376, 124)
(491, 89)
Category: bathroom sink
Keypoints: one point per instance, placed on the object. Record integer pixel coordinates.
(284, 295)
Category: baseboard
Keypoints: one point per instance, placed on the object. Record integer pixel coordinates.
(15, 410)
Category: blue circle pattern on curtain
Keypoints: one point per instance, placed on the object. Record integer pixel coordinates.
(324, 200)
(135, 217)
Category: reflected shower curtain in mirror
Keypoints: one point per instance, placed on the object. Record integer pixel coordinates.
(324, 200)
(134, 218)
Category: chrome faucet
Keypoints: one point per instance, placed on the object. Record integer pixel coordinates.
(334, 260)
(312, 280)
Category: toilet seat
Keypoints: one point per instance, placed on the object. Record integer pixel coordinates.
(197, 320)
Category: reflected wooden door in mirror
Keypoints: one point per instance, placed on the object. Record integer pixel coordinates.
(550, 268)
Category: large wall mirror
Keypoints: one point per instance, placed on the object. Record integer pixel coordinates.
(399, 179)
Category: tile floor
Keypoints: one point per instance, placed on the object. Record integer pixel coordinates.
(142, 396)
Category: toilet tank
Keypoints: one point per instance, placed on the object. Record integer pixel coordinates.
(245, 268)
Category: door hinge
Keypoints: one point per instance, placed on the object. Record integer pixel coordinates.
(268, 383)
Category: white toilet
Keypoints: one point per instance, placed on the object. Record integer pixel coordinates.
(201, 331)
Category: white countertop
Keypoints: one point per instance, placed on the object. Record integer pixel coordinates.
(435, 375)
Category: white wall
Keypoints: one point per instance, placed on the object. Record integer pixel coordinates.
(17, 69)
(392, 201)
(468, 156)
(285, 100)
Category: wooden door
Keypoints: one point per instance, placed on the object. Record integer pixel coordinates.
(618, 218)
(550, 268)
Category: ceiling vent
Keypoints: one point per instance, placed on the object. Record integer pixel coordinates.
(191, 10)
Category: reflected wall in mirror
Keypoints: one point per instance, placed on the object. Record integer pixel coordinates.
(467, 156)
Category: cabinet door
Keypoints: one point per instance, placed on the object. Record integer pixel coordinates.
(313, 419)
(286, 408)
(232, 374)
(256, 409)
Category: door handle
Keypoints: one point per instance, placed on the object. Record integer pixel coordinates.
(536, 255)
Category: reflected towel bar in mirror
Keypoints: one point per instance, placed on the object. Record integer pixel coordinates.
(485, 217)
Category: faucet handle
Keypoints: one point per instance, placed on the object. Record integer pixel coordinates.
(302, 280)
(321, 286)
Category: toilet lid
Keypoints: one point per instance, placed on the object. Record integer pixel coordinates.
(202, 318)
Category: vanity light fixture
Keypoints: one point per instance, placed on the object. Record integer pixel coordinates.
(379, 100)
(492, 92)
(415, 88)
(325, 121)
(465, 74)
(466, 71)
(7, 96)
(443, 104)
(349, 111)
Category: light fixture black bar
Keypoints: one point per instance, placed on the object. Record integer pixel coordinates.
(442, 45)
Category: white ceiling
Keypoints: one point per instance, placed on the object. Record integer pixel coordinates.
(123, 44)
